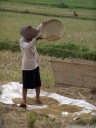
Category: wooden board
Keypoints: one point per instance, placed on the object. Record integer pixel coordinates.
(76, 72)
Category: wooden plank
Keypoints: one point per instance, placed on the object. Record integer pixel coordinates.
(89, 81)
(75, 72)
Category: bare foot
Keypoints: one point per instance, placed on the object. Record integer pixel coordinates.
(39, 102)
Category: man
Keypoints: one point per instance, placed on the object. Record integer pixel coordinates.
(30, 61)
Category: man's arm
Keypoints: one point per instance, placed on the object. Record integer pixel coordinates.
(25, 45)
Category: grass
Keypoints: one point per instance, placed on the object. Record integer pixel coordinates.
(76, 31)
(31, 119)
(57, 15)
(46, 10)
(86, 4)
(31, 7)
(17, 117)
(65, 50)
(10, 68)
(83, 120)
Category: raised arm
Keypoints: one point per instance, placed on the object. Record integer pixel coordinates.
(24, 44)
(41, 25)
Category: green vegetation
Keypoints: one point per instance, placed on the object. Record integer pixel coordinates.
(67, 50)
(79, 41)
(20, 7)
(79, 38)
(47, 14)
(81, 4)
(10, 46)
(31, 119)
(10, 68)
(63, 50)
(78, 31)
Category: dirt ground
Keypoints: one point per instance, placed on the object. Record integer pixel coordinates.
(15, 117)
(82, 93)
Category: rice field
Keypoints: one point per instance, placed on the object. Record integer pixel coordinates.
(78, 30)
(82, 3)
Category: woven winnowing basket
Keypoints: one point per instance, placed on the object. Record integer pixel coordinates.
(53, 30)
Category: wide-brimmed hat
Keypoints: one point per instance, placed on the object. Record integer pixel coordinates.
(29, 31)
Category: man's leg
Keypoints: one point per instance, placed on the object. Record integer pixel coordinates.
(37, 89)
(24, 93)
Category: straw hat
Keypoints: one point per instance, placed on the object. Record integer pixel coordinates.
(29, 31)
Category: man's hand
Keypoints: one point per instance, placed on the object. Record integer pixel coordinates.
(45, 22)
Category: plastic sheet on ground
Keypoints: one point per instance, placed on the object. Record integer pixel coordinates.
(13, 90)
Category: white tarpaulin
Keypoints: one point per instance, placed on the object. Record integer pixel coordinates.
(13, 90)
